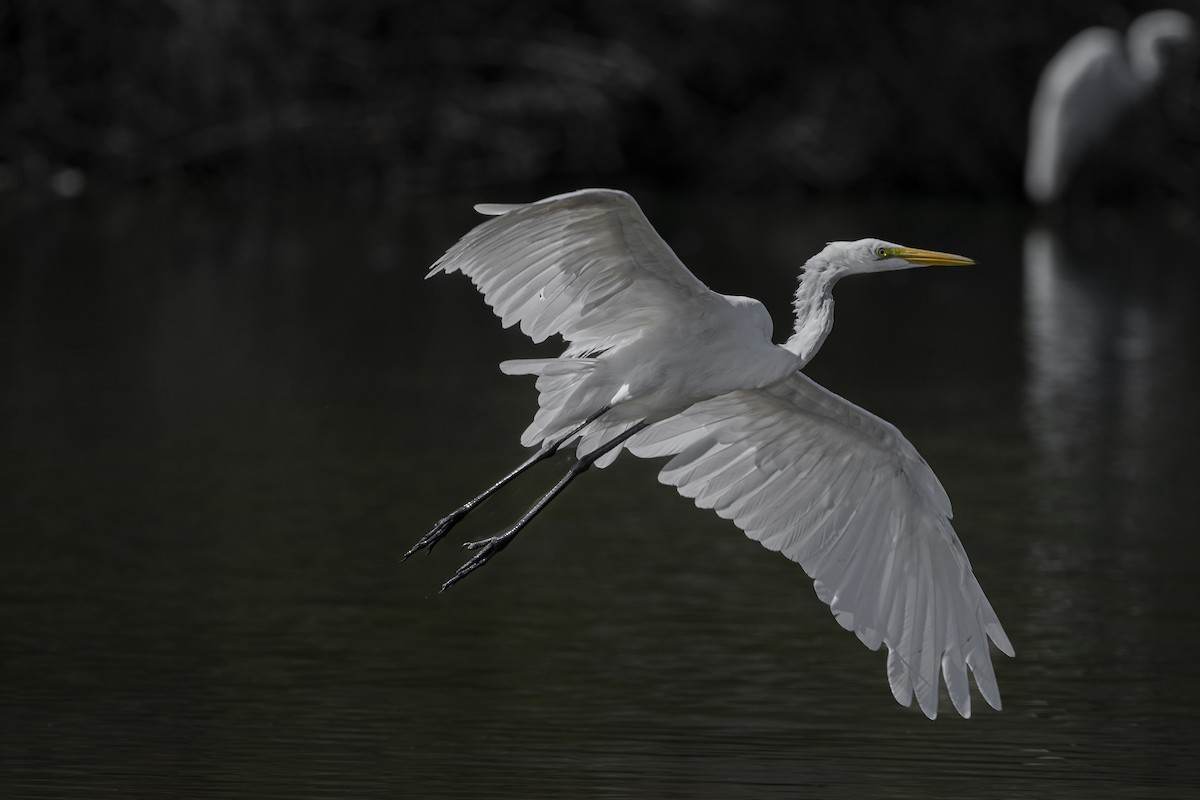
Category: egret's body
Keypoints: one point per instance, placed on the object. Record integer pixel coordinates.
(659, 364)
(1086, 89)
(709, 346)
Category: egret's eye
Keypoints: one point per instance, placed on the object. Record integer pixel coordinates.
(882, 252)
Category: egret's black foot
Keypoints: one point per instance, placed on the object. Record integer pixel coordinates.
(487, 548)
(434, 536)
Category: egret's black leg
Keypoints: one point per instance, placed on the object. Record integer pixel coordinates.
(492, 545)
(443, 525)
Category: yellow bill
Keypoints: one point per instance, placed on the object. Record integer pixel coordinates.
(931, 258)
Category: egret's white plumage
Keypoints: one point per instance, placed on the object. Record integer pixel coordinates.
(659, 364)
(589, 267)
(843, 493)
(1087, 87)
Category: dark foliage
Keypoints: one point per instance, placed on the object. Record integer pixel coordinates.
(848, 96)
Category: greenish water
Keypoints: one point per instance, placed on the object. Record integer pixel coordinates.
(225, 419)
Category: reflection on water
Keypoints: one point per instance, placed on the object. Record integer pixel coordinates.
(225, 420)
(1103, 348)
(1110, 330)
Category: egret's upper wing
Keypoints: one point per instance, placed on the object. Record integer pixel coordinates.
(586, 265)
(844, 494)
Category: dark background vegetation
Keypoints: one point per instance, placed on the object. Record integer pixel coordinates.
(411, 96)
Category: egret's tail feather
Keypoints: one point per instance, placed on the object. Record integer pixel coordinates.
(564, 396)
(599, 434)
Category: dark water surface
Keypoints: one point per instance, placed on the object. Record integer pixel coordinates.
(225, 419)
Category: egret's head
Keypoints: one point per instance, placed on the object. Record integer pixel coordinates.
(876, 255)
(1152, 39)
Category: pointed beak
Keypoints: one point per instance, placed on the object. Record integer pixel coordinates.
(931, 258)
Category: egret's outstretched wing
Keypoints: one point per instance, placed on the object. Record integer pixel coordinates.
(843, 493)
(587, 265)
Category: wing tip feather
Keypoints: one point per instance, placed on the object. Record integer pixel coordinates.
(496, 209)
(1000, 638)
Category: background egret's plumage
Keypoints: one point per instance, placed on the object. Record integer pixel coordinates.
(661, 365)
(1086, 88)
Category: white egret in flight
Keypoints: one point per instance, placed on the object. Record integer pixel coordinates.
(659, 364)
(1085, 90)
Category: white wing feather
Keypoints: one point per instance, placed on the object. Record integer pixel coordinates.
(845, 495)
(587, 265)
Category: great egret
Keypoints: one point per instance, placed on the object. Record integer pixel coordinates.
(659, 364)
(1087, 87)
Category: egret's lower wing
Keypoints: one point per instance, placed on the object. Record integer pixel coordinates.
(845, 495)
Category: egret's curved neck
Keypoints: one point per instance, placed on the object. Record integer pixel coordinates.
(814, 310)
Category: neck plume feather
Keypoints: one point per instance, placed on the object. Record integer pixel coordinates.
(814, 309)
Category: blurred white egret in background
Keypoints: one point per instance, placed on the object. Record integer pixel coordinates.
(1085, 90)
(659, 364)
